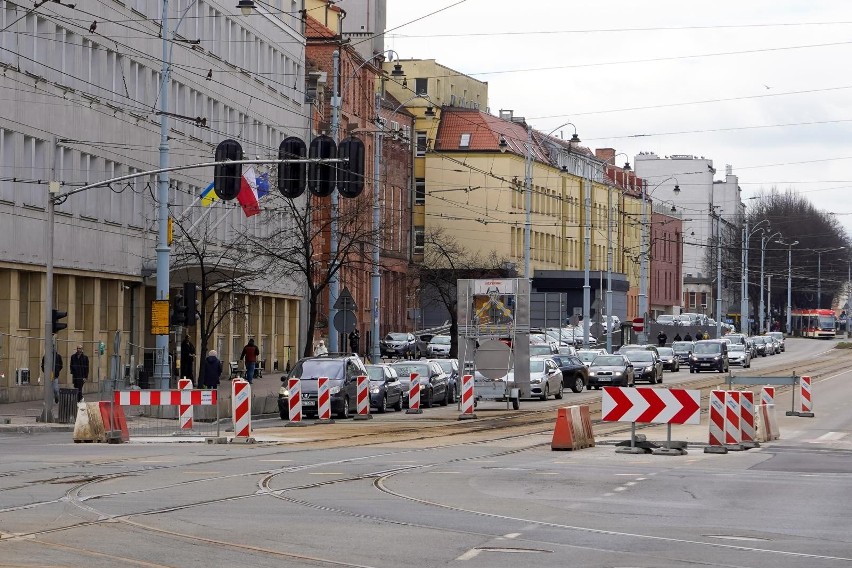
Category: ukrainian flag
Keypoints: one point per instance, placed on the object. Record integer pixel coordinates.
(208, 196)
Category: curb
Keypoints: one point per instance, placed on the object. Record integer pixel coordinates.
(35, 428)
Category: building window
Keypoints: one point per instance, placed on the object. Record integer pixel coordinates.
(419, 240)
(419, 191)
(692, 300)
(420, 86)
(465, 141)
(421, 143)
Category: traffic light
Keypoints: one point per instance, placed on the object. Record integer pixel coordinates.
(226, 177)
(321, 177)
(350, 174)
(178, 311)
(189, 292)
(292, 178)
(59, 325)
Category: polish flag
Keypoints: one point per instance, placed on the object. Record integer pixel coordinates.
(248, 193)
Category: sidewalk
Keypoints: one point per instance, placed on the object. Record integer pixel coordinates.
(22, 417)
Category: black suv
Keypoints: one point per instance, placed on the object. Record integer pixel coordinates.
(399, 345)
(342, 372)
(709, 355)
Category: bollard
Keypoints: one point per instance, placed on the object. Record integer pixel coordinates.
(414, 396)
(185, 410)
(716, 441)
(294, 403)
(363, 398)
(323, 402)
(767, 395)
(467, 398)
(733, 434)
(241, 405)
(747, 420)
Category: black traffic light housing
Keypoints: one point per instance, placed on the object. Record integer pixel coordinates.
(321, 177)
(191, 304)
(178, 310)
(350, 174)
(59, 325)
(292, 178)
(228, 177)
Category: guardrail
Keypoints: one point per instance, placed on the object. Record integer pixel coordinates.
(791, 380)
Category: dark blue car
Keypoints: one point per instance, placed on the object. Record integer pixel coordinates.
(385, 388)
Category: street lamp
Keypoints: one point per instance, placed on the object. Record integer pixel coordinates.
(819, 270)
(789, 280)
(643, 250)
(744, 309)
(763, 240)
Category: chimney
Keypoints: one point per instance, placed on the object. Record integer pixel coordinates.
(729, 169)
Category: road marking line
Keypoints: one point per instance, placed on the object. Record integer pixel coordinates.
(830, 437)
(274, 461)
(472, 553)
(620, 489)
(512, 535)
(325, 473)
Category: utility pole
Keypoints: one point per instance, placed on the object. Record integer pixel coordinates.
(334, 281)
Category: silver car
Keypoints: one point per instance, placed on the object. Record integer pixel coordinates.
(545, 378)
(439, 346)
(739, 354)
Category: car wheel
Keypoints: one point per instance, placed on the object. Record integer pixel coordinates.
(660, 379)
(398, 405)
(516, 403)
(344, 414)
(558, 393)
(383, 407)
(446, 400)
(578, 384)
(546, 392)
(427, 401)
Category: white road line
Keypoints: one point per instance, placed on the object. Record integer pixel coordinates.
(472, 553)
(830, 437)
(512, 535)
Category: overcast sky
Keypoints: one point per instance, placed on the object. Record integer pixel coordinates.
(761, 85)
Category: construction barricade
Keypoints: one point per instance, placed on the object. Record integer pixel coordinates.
(323, 402)
(748, 435)
(467, 399)
(649, 405)
(362, 398)
(241, 407)
(805, 399)
(154, 413)
(294, 402)
(733, 434)
(573, 429)
(766, 423)
(414, 395)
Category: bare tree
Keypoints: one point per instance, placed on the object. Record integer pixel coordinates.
(295, 245)
(445, 261)
(219, 270)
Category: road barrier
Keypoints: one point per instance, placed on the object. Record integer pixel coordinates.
(467, 398)
(414, 396)
(767, 395)
(185, 409)
(805, 399)
(363, 399)
(747, 420)
(153, 412)
(733, 434)
(716, 441)
(323, 402)
(294, 402)
(649, 405)
(241, 401)
(766, 425)
(573, 429)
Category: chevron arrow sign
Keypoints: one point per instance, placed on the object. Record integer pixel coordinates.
(660, 406)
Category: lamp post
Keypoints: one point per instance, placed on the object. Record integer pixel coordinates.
(763, 240)
(744, 309)
(789, 280)
(528, 202)
(717, 216)
(643, 251)
(819, 271)
(626, 168)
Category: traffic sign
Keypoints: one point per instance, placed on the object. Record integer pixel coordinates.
(660, 406)
(160, 317)
(638, 324)
(493, 359)
(344, 321)
(345, 301)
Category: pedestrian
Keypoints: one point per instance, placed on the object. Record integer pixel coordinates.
(687, 337)
(79, 367)
(250, 354)
(211, 371)
(57, 368)
(320, 349)
(187, 359)
(354, 341)
(662, 338)
(677, 337)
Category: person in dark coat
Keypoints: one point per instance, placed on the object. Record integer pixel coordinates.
(662, 338)
(79, 368)
(187, 359)
(687, 337)
(677, 337)
(354, 341)
(211, 370)
(250, 353)
(57, 368)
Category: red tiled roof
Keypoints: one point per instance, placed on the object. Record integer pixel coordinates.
(314, 29)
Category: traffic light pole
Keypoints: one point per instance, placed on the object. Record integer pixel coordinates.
(49, 357)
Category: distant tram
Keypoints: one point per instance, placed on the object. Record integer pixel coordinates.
(814, 323)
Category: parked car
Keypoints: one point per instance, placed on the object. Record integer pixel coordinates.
(669, 359)
(547, 349)
(611, 371)
(762, 346)
(545, 378)
(778, 336)
(434, 383)
(342, 373)
(575, 374)
(683, 350)
(588, 355)
(739, 354)
(646, 366)
(709, 355)
(399, 345)
(451, 369)
(421, 342)
(633, 347)
(385, 388)
(439, 346)
(567, 350)
(667, 319)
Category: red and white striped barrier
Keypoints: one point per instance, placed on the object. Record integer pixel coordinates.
(716, 441)
(414, 396)
(323, 400)
(767, 395)
(747, 419)
(467, 398)
(363, 398)
(767, 424)
(165, 397)
(185, 409)
(294, 403)
(805, 398)
(241, 403)
(573, 429)
(733, 434)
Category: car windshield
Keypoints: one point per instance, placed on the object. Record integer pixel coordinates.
(736, 347)
(608, 361)
(759, 340)
(643, 356)
(707, 348)
(404, 370)
(316, 368)
(682, 346)
(665, 351)
(540, 350)
(396, 337)
(375, 373)
(587, 356)
(446, 365)
(441, 340)
(536, 366)
(776, 334)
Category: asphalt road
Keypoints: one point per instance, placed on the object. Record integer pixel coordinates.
(477, 501)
